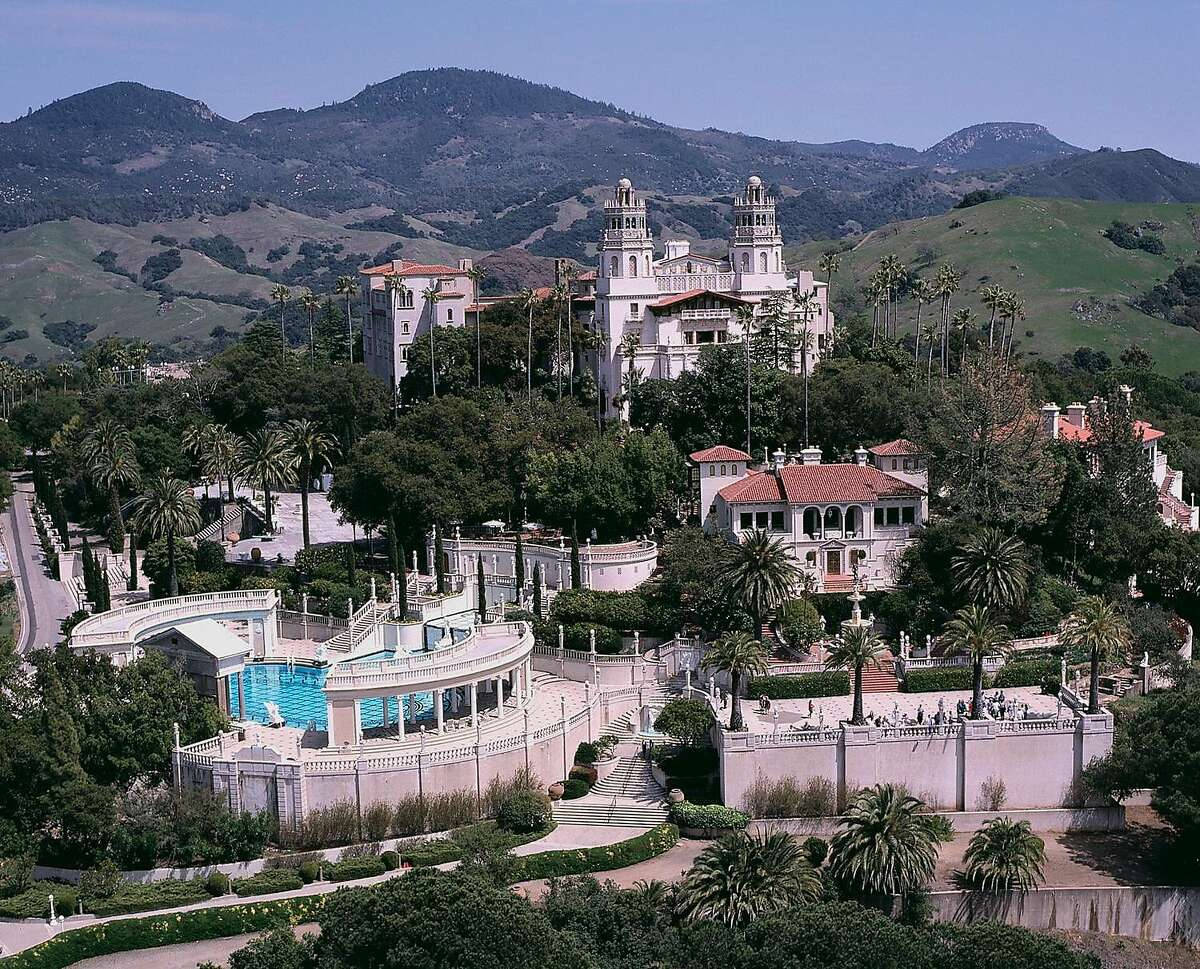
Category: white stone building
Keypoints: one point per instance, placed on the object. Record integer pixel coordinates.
(830, 517)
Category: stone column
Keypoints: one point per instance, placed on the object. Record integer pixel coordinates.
(475, 704)
(437, 707)
(499, 696)
(412, 708)
(399, 716)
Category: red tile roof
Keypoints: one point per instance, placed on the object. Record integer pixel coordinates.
(896, 448)
(722, 452)
(1072, 432)
(406, 268)
(818, 484)
(669, 301)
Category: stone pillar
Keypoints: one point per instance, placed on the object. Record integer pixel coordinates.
(475, 704)
(859, 768)
(399, 716)
(499, 696)
(412, 709)
(974, 761)
(437, 707)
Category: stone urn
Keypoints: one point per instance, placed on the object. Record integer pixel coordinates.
(556, 790)
(675, 795)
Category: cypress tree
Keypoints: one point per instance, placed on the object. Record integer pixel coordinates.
(395, 553)
(351, 566)
(576, 569)
(519, 564)
(537, 589)
(439, 563)
(402, 583)
(479, 579)
(89, 574)
(131, 582)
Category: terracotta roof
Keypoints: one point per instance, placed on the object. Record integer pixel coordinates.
(406, 268)
(818, 484)
(722, 452)
(895, 448)
(590, 274)
(1072, 432)
(670, 301)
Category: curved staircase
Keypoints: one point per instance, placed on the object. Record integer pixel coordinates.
(629, 797)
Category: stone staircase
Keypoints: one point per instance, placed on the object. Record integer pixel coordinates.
(365, 620)
(882, 680)
(629, 797)
(232, 513)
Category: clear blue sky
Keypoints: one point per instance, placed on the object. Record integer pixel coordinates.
(1100, 72)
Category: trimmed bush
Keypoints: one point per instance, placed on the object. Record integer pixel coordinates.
(391, 860)
(825, 683)
(584, 861)
(575, 787)
(309, 871)
(586, 774)
(524, 812)
(816, 849)
(170, 893)
(586, 754)
(577, 637)
(364, 866)
(268, 883)
(421, 853)
(708, 817)
(1026, 673)
(217, 884)
(937, 679)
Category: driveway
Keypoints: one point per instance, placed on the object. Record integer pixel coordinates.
(45, 602)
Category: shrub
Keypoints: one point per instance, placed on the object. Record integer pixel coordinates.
(800, 622)
(451, 809)
(16, 874)
(101, 882)
(170, 893)
(33, 902)
(421, 853)
(377, 821)
(524, 812)
(708, 817)
(291, 860)
(817, 849)
(578, 637)
(499, 789)
(368, 850)
(217, 884)
(586, 774)
(786, 797)
(309, 871)
(937, 679)
(268, 883)
(391, 860)
(582, 861)
(685, 720)
(350, 869)
(992, 794)
(586, 753)
(1025, 673)
(825, 683)
(575, 787)
(942, 827)
(330, 826)
(618, 610)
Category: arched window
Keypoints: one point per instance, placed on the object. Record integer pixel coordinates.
(778, 267)
(449, 314)
(762, 262)
(745, 262)
(812, 522)
(833, 519)
(722, 470)
(854, 521)
(614, 266)
(712, 470)
(633, 265)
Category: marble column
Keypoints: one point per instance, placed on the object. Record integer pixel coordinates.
(474, 704)
(499, 696)
(399, 717)
(437, 706)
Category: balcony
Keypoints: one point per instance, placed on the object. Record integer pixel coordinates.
(696, 315)
(682, 282)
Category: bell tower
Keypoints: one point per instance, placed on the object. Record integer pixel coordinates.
(626, 250)
(756, 249)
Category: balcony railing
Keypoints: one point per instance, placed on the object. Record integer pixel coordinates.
(719, 314)
(682, 282)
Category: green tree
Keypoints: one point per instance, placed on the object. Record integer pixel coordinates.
(741, 878)
(686, 720)
(759, 575)
(347, 286)
(739, 655)
(167, 509)
(108, 450)
(1005, 856)
(973, 633)
(281, 294)
(314, 451)
(266, 458)
(993, 569)
(800, 624)
(1096, 626)
(855, 649)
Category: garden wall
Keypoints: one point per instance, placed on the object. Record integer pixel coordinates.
(1106, 818)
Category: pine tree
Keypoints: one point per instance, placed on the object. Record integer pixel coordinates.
(479, 579)
(351, 566)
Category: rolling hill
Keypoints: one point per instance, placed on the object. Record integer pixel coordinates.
(1075, 282)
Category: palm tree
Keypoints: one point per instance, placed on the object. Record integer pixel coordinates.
(431, 297)
(1005, 856)
(946, 285)
(891, 271)
(931, 331)
(630, 343)
(963, 320)
(165, 510)
(281, 294)
(222, 460)
(828, 264)
(568, 275)
(347, 286)
(856, 649)
(874, 291)
(993, 298)
(741, 878)
(1013, 309)
(759, 574)
(745, 317)
(108, 450)
(310, 302)
(922, 292)
(313, 450)
(528, 300)
(972, 632)
(992, 569)
(266, 457)
(886, 846)
(195, 445)
(736, 654)
(476, 275)
(1096, 625)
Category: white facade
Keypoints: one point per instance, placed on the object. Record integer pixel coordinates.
(832, 518)
(662, 312)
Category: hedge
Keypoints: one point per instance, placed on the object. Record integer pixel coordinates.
(125, 935)
(708, 816)
(268, 882)
(150, 896)
(1036, 672)
(575, 787)
(584, 861)
(938, 678)
(365, 866)
(34, 904)
(825, 683)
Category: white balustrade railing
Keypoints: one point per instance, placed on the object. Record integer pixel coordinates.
(122, 626)
(683, 282)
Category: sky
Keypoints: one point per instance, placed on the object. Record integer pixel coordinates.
(1095, 72)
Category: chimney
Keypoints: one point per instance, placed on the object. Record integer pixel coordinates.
(1050, 419)
(1077, 415)
(1126, 393)
(778, 459)
(810, 455)
(464, 265)
(860, 456)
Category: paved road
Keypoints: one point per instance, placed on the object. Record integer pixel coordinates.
(187, 955)
(45, 602)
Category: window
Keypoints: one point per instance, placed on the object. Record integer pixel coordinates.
(776, 521)
(712, 470)
(747, 521)
(893, 515)
(404, 327)
(761, 520)
(762, 262)
(745, 262)
(633, 265)
(908, 515)
(879, 517)
(633, 309)
(894, 464)
(404, 353)
(907, 464)
(613, 266)
(449, 314)
(722, 470)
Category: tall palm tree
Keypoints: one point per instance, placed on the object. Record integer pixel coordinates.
(569, 274)
(737, 654)
(476, 274)
(630, 343)
(921, 293)
(108, 450)
(1096, 625)
(742, 877)
(892, 271)
(745, 317)
(222, 456)
(972, 632)
(1005, 856)
(828, 264)
(874, 292)
(310, 303)
(432, 297)
(1013, 309)
(167, 509)
(558, 296)
(992, 569)
(931, 332)
(759, 574)
(854, 650)
(886, 845)
(992, 297)
(946, 285)
(963, 320)
(347, 286)
(266, 457)
(281, 294)
(313, 450)
(528, 300)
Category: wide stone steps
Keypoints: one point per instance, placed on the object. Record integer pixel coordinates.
(628, 797)
(610, 813)
(882, 680)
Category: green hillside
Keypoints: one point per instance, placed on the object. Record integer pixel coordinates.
(1076, 283)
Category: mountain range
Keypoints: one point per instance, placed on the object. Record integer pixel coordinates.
(486, 161)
